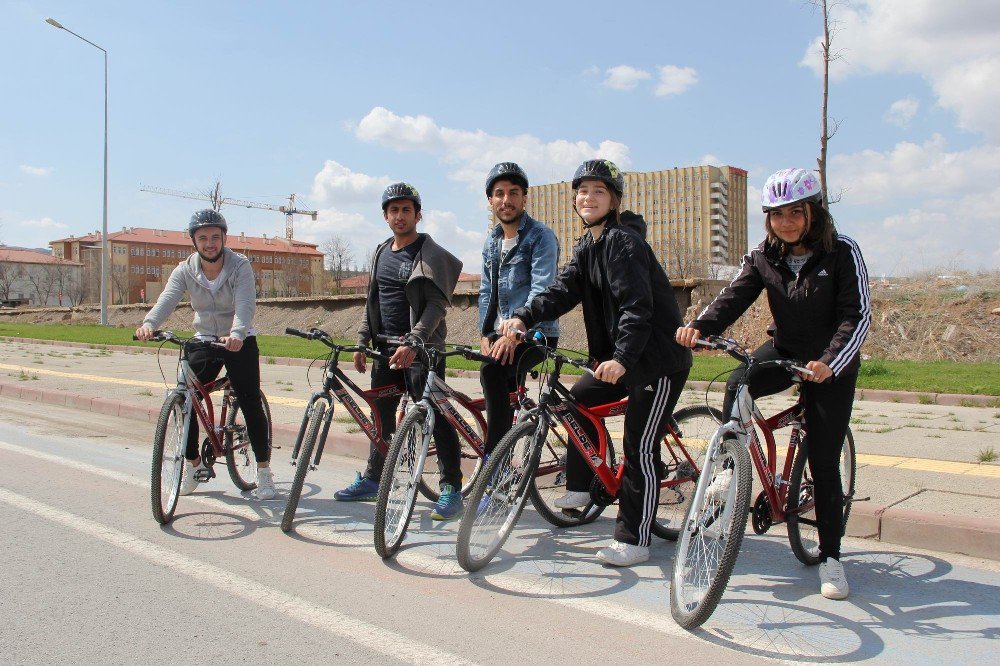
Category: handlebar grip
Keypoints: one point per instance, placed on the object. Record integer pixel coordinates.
(295, 331)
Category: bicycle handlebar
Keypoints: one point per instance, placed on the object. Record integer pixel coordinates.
(327, 339)
(733, 348)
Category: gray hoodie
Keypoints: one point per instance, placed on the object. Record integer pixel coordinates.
(226, 310)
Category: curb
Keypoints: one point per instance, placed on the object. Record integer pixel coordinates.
(976, 537)
(872, 395)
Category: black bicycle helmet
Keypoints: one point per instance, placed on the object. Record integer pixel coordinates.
(506, 171)
(207, 218)
(398, 191)
(603, 170)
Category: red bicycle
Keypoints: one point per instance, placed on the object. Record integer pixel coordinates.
(312, 436)
(530, 461)
(226, 437)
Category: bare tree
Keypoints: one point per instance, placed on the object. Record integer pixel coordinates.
(338, 258)
(42, 280)
(9, 274)
(121, 284)
(829, 126)
(215, 194)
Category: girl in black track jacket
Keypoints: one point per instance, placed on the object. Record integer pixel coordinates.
(817, 291)
(630, 315)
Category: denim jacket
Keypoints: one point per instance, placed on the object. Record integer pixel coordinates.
(525, 272)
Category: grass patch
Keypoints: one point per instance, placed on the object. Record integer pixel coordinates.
(966, 403)
(145, 392)
(926, 399)
(987, 455)
(935, 376)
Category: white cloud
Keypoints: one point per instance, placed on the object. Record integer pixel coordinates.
(902, 111)
(43, 223)
(36, 171)
(337, 184)
(465, 244)
(474, 152)
(914, 170)
(675, 80)
(953, 45)
(624, 77)
(709, 158)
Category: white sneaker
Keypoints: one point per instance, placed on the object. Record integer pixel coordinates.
(265, 484)
(718, 490)
(833, 581)
(188, 482)
(573, 500)
(620, 554)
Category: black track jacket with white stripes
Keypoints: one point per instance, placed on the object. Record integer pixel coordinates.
(822, 315)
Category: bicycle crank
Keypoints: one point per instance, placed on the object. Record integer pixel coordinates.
(760, 514)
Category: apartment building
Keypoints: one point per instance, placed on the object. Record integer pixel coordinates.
(142, 259)
(696, 216)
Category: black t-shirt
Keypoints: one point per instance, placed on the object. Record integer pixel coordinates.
(391, 273)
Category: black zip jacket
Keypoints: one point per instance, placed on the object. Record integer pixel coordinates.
(823, 314)
(629, 309)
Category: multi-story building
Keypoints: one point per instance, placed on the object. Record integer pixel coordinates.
(696, 216)
(35, 277)
(141, 261)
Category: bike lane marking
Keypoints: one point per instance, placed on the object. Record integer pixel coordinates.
(660, 622)
(378, 639)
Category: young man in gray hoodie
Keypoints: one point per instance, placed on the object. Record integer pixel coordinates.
(220, 284)
(409, 291)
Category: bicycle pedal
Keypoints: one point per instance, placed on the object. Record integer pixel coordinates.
(859, 499)
(203, 475)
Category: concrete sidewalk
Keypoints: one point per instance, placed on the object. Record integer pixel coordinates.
(919, 463)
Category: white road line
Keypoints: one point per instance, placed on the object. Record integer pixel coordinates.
(661, 623)
(375, 638)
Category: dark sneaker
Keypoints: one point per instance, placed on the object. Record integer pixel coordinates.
(449, 504)
(362, 490)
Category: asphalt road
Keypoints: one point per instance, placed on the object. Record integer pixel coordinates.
(88, 576)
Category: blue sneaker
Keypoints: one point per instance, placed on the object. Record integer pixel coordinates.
(363, 489)
(449, 505)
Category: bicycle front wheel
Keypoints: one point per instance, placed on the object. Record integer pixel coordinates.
(683, 459)
(471, 462)
(303, 462)
(498, 498)
(168, 458)
(711, 535)
(549, 483)
(397, 489)
(803, 534)
(240, 459)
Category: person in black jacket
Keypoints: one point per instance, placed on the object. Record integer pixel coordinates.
(817, 291)
(630, 314)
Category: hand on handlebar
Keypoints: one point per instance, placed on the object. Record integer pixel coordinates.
(609, 371)
(820, 372)
(511, 327)
(403, 357)
(230, 343)
(144, 333)
(686, 336)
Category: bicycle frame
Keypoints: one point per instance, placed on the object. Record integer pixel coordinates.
(204, 409)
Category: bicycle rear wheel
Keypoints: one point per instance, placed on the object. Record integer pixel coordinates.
(168, 458)
(240, 459)
(803, 535)
(549, 483)
(696, 424)
(710, 537)
(397, 489)
(498, 498)
(302, 463)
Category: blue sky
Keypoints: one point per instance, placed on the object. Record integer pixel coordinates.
(333, 100)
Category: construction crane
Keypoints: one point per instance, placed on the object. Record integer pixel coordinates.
(288, 210)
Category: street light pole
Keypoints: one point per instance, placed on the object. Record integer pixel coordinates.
(104, 228)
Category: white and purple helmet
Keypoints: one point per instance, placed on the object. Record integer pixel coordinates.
(788, 186)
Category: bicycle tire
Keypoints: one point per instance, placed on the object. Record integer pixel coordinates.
(397, 489)
(803, 535)
(168, 459)
(302, 463)
(506, 480)
(697, 424)
(697, 582)
(240, 459)
(549, 483)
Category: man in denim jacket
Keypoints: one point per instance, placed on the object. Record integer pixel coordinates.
(520, 259)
